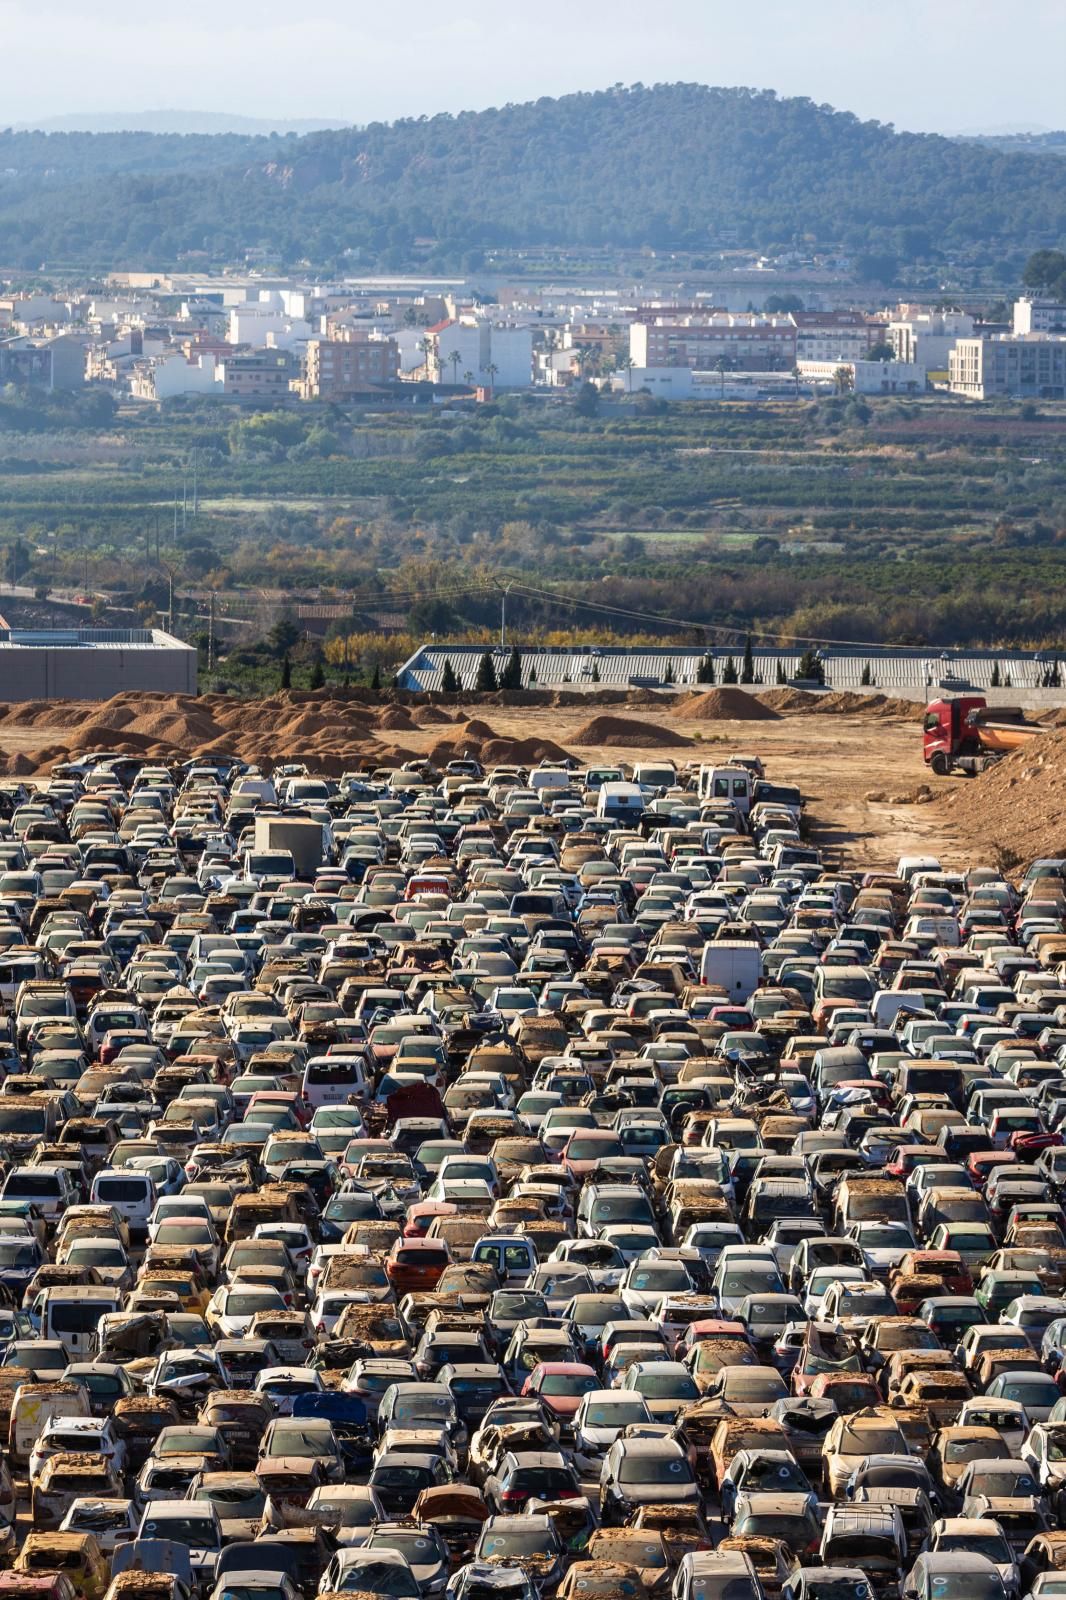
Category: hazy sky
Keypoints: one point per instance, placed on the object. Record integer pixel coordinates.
(923, 64)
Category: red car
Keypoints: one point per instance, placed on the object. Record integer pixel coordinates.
(561, 1384)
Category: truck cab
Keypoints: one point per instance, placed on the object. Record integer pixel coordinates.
(948, 738)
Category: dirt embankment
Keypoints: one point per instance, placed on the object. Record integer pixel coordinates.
(1017, 809)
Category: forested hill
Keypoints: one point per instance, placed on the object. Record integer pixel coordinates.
(675, 166)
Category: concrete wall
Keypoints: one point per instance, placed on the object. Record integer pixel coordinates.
(42, 672)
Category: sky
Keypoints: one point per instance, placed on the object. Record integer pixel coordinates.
(930, 65)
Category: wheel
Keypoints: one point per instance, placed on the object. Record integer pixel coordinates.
(941, 764)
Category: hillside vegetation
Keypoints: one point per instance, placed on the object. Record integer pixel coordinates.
(677, 166)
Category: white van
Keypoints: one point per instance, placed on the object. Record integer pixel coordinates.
(543, 778)
(72, 1315)
(34, 1406)
(734, 965)
(330, 1079)
(132, 1194)
(620, 801)
(907, 867)
(729, 784)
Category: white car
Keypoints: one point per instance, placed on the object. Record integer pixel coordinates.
(109, 1521)
(93, 1435)
(232, 1307)
(602, 1415)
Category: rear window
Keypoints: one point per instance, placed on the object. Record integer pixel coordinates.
(332, 1072)
(109, 1189)
(423, 1258)
(73, 1316)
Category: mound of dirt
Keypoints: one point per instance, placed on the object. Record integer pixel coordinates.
(430, 717)
(838, 702)
(1017, 809)
(626, 731)
(395, 717)
(725, 704)
(476, 729)
(520, 752)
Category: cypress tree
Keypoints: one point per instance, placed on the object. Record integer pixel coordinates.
(729, 671)
(448, 681)
(747, 671)
(318, 675)
(511, 676)
(994, 681)
(375, 682)
(780, 675)
(485, 682)
(286, 673)
(867, 676)
(811, 667)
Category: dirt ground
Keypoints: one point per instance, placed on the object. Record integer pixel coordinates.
(840, 762)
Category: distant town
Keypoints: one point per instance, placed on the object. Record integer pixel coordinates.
(148, 338)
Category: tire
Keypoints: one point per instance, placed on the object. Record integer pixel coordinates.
(941, 764)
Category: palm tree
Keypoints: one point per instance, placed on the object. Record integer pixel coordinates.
(426, 346)
(719, 367)
(468, 378)
(843, 379)
(455, 359)
(797, 375)
(626, 363)
(492, 369)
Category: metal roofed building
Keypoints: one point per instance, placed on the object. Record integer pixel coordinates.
(92, 663)
(917, 674)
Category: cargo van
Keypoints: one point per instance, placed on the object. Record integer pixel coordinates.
(132, 1194)
(72, 1315)
(734, 965)
(620, 801)
(33, 1406)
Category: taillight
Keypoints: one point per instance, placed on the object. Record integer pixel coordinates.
(515, 1497)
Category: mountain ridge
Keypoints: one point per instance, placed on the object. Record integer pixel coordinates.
(671, 167)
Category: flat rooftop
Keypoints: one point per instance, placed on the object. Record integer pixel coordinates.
(89, 639)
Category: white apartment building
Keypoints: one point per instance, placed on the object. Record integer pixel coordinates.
(254, 324)
(834, 335)
(474, 350)
(692, 336)
(1029, 365)
(927, 337)
(1032, 315)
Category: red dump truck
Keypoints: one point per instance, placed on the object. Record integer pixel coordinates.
(967, 735)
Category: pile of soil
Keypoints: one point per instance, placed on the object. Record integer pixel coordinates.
(396, 717)
(1015, 810)
(723, 704)
(838, 702)
(430, 717)
(627, 731)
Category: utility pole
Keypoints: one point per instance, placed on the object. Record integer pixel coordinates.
(175, 519)
(195, 486)
(184, 499)
(211, 635)
(503, 615)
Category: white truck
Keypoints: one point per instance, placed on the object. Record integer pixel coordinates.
(309, 842)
